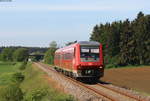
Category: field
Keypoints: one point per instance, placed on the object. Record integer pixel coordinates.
(137, 79)
(8, 67)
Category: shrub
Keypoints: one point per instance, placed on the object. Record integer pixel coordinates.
(6, 54)
(20, 54)
(23, 65)
(70, 98)
(36, 95)
(18, 77)
(63, 98)
(111, 62)
(11, 92)
(49, 56)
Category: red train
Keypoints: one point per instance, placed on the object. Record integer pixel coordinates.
(83, 59)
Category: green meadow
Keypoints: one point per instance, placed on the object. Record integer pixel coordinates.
(6, 71)
(8, 67)
(34, 87)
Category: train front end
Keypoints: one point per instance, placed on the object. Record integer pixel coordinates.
(90, 59)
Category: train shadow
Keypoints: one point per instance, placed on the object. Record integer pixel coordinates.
(92, 82)
(103, 82)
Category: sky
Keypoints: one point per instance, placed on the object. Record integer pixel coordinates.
(39, 22)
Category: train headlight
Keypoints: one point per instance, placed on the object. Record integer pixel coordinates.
(100, 67)
(88, 71)
(79, 72)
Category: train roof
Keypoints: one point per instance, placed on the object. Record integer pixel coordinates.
(82, 43)
(88, 43)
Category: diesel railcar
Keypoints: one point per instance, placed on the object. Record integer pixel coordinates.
(83, 59)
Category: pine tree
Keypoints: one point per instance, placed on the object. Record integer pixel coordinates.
(124, 46)
(125, 42)
(95, 36)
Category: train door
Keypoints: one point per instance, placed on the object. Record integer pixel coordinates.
(74, 58)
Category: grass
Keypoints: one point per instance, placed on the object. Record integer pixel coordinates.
(35, 81)
(35, 86)
(135, 66)
(111, 66)
(33, 78)
(6, 71)
(141, 92)
(5, 78)
(7, 67)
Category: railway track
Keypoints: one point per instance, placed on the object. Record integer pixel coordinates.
(104, 92)
(121, 92)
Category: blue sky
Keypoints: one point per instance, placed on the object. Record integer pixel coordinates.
(38, 22)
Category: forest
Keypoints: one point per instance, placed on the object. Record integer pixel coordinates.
(125, 42)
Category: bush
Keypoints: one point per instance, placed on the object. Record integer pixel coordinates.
(23, 65)
(111, 62)
(36, 95)
(110, 66)
(7, 54)
(70, 98)
(20, 54)
(11, 92)
(18, 77)
(49, 56)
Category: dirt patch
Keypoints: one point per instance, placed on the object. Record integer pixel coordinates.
(54, 84)
(132, 78)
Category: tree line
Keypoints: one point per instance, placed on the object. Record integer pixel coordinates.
(11, 54)
(30, 49)
(125, 42)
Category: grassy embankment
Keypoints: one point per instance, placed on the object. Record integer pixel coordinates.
(6, 71)
(109, 66)
(34, 87)
(36, 81)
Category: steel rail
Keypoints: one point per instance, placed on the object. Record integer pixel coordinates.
(120, 92)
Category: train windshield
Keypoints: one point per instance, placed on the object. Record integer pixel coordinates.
(89, 54)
